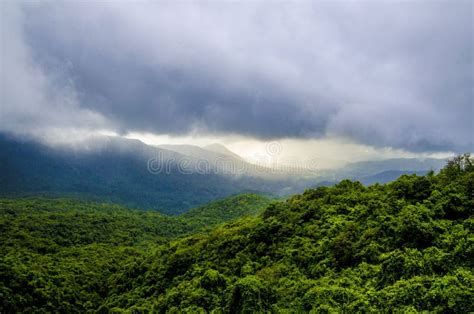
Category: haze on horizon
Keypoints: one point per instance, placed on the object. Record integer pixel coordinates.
(342, 81)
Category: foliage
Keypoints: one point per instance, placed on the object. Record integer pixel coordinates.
(406, 246)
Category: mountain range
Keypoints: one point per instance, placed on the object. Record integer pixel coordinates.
(167, 178)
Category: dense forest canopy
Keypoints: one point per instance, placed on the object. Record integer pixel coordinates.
(403, 246)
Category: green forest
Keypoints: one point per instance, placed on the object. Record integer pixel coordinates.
(405, 246)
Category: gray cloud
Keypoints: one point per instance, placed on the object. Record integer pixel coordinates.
(396, 74)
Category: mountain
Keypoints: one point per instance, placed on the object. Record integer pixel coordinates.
(405, 246)
(223, 161)
(381, 171)
(388, 176)
(366, 168)
(194, 151)
(169, 179)
(221, 149)
(118, 170)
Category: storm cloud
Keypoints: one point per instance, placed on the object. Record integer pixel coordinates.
(391, 74)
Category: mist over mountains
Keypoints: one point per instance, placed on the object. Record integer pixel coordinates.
(167, 178)
(115, 170)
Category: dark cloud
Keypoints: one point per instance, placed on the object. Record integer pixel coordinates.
(397, 74)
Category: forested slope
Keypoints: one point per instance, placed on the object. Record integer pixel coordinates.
(403, 246)
(59, 254)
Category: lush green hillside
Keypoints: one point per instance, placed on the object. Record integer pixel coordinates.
(63, 251)
(46, 225)
(403, 246)
(226, 209)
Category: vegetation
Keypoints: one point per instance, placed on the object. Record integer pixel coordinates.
(406, 246)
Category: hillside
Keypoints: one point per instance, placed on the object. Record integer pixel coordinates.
(403, 246)
(46, 225)
(226, 210)
(65, 250)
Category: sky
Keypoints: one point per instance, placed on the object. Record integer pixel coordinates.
(343, 80)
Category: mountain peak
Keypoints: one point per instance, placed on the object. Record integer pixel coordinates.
(221, 149)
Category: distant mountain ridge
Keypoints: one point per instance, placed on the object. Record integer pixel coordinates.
(388, 176)
(117, 170)
(381, 171)
(221, 149)
(396, 164)
(221, 160)
(193, 151)
(131, 173)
